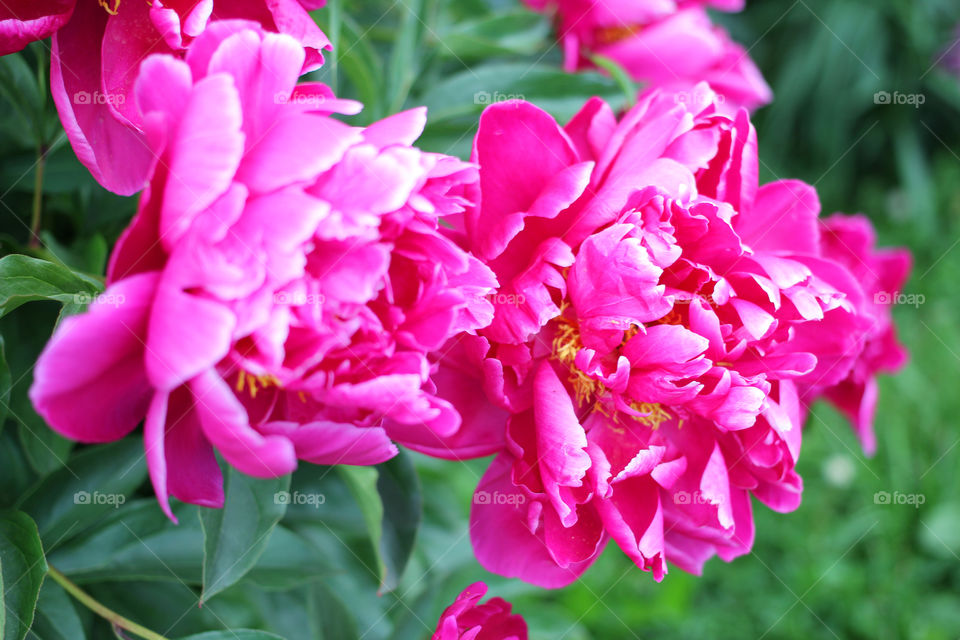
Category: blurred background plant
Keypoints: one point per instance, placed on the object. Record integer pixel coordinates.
(867, 99)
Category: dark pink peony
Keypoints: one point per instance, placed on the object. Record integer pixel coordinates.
(281, 286)
(657, 313)
(664, 44)
(880, 274)
(98, 46)
(468, 619)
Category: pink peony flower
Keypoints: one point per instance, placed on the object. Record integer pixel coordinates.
(467, 619)
(661, 43)
(97, 50)
(657, 312)
(881, 274)
(281, 286)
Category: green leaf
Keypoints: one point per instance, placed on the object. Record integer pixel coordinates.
(89, 487)
(336, 620)
(5, 384)
(399, 489)
(390, 499)
(516, 33)
(560, 93)
(618, 73)
(62, 172)
(26, 331)
(24, 279)
(454, 103)
(137, 542)
(56, 618)
(288, 561)
(19, 85)
(152, 603)
(22, 567)
(404, 61)
(362, 482)
(45, 449)
(236, 536)
(360, 63)
(15, 474)
(234, 634)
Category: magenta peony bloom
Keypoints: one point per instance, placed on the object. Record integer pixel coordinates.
(663, 44)
(281, 286)
(881, 274)
(656, 315)
(97, 50)
(467, 619)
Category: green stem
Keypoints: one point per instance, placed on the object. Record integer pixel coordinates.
(110, 615)
(37, 197)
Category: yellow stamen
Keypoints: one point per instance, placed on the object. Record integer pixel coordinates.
(566, 346)
(673, 317)
(255, 383)
(656, 414)
(610, 35)
(112, 10)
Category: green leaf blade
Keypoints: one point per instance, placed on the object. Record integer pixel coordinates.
(23, 567)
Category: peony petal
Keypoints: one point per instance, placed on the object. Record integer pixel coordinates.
(224, 422)
(90, 383)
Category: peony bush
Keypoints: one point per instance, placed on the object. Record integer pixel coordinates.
(296, 281)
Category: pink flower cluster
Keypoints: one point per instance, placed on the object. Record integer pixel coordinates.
(615, 308)
(277, 293)
(97, 50)
(658, 317)
(468, 619)
(668, 44)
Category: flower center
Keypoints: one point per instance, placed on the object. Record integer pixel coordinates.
(567, 344)
(110, 6)
(254, 384)
(655, 416)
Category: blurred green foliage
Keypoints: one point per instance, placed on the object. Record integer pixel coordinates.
(841, 566)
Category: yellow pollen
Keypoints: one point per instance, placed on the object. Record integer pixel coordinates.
(566, 346)
(255, 383)
(656, 414)
(673, 317)
(106, 4)
(610, 35)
